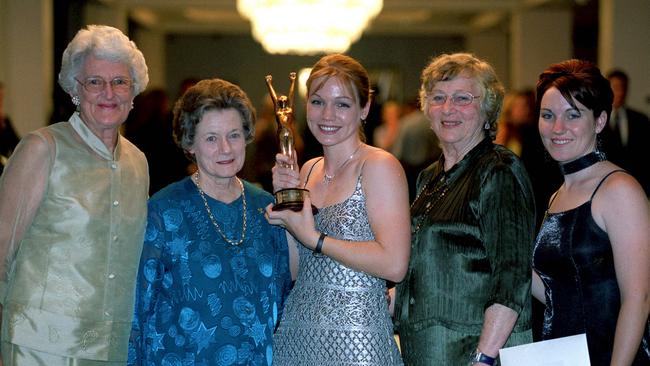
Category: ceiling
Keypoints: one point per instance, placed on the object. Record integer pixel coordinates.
(398, 17)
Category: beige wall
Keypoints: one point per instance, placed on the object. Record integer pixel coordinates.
(533, 40)
(625, 43)
(493, 46)
(27, 66)
(153, 47)
(3, 41)
(539, 38)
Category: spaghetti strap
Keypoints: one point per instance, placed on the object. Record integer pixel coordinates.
(602, 180)
(552, 199)
(309, 174)
(321, 158)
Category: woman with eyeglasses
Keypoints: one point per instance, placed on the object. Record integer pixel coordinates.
(73, 215)
(467, 290)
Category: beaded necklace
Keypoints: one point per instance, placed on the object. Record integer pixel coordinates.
(432, 193)
(214, 221)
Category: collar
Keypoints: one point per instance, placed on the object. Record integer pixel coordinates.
(91, 139)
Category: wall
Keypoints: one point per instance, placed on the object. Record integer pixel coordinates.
(3, 40)
(152, 45)
(539, 38)
(624, 43)
(27, 62)
(492, 45)
(243, 61)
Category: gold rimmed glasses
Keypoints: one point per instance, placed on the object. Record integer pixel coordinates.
(458, 99)
(97, 84)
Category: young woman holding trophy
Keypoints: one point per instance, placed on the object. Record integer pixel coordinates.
(337, 312)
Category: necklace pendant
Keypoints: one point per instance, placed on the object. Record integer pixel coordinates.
(327, 179)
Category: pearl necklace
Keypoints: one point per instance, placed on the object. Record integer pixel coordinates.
(327, 179)
(214, 221)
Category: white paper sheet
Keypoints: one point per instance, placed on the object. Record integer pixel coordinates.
(566, 351)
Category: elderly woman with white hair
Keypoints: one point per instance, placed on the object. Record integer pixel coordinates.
(73, 214)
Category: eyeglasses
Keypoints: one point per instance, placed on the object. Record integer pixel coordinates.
(97, 84)
(458, 99)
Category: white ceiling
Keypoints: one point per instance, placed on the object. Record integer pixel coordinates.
(398, 17)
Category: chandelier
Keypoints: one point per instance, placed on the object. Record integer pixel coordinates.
(308, 27)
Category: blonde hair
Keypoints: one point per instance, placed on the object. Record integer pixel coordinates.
(447, 67)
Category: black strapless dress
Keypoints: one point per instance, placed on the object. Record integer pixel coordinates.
(573, 257)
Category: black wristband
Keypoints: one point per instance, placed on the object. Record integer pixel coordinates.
(319, 243)
(480, 357)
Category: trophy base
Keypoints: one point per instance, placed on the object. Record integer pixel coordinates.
(291, 199)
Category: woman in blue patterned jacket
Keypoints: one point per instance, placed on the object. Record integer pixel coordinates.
(213, 274)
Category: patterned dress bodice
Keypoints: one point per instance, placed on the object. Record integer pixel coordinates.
(336, 315)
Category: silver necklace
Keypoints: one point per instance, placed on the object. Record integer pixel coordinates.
(327, 179)
(214, 221)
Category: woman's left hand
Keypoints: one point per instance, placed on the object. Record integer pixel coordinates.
(300, 224)
(285, 173)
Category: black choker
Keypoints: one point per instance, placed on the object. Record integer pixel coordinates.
(582, 162)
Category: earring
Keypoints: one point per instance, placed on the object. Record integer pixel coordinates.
(76, 100)
(486, 126)
(131, 104)
(363, 121)
(599, 148)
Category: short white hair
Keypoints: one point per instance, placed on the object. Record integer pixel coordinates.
(105, 43)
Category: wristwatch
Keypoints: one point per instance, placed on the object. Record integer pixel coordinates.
(477, 356)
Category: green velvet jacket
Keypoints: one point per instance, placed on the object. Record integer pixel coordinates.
(473, 230)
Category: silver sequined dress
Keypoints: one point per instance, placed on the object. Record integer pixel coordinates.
(335, 315)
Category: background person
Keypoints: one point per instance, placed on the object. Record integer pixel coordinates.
(213, 274)
(625, 138)
(72, 216)
(592, 256)
(337, 313)
(416, 146)
(8, 137)
(467, 290)
(517, 130)
(386, 133)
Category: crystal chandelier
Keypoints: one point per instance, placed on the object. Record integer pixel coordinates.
(307, 27)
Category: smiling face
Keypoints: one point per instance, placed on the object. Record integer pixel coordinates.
(219, 144)
(333, 113)
(107, 109)
(457, 127)
(567, 132)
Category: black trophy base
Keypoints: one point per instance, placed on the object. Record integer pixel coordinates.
(291, 199)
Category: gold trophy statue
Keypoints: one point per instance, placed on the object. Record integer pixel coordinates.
(288, 198)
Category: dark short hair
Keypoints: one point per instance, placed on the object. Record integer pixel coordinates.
(621, 75)
(208, 95)
(577, 80)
